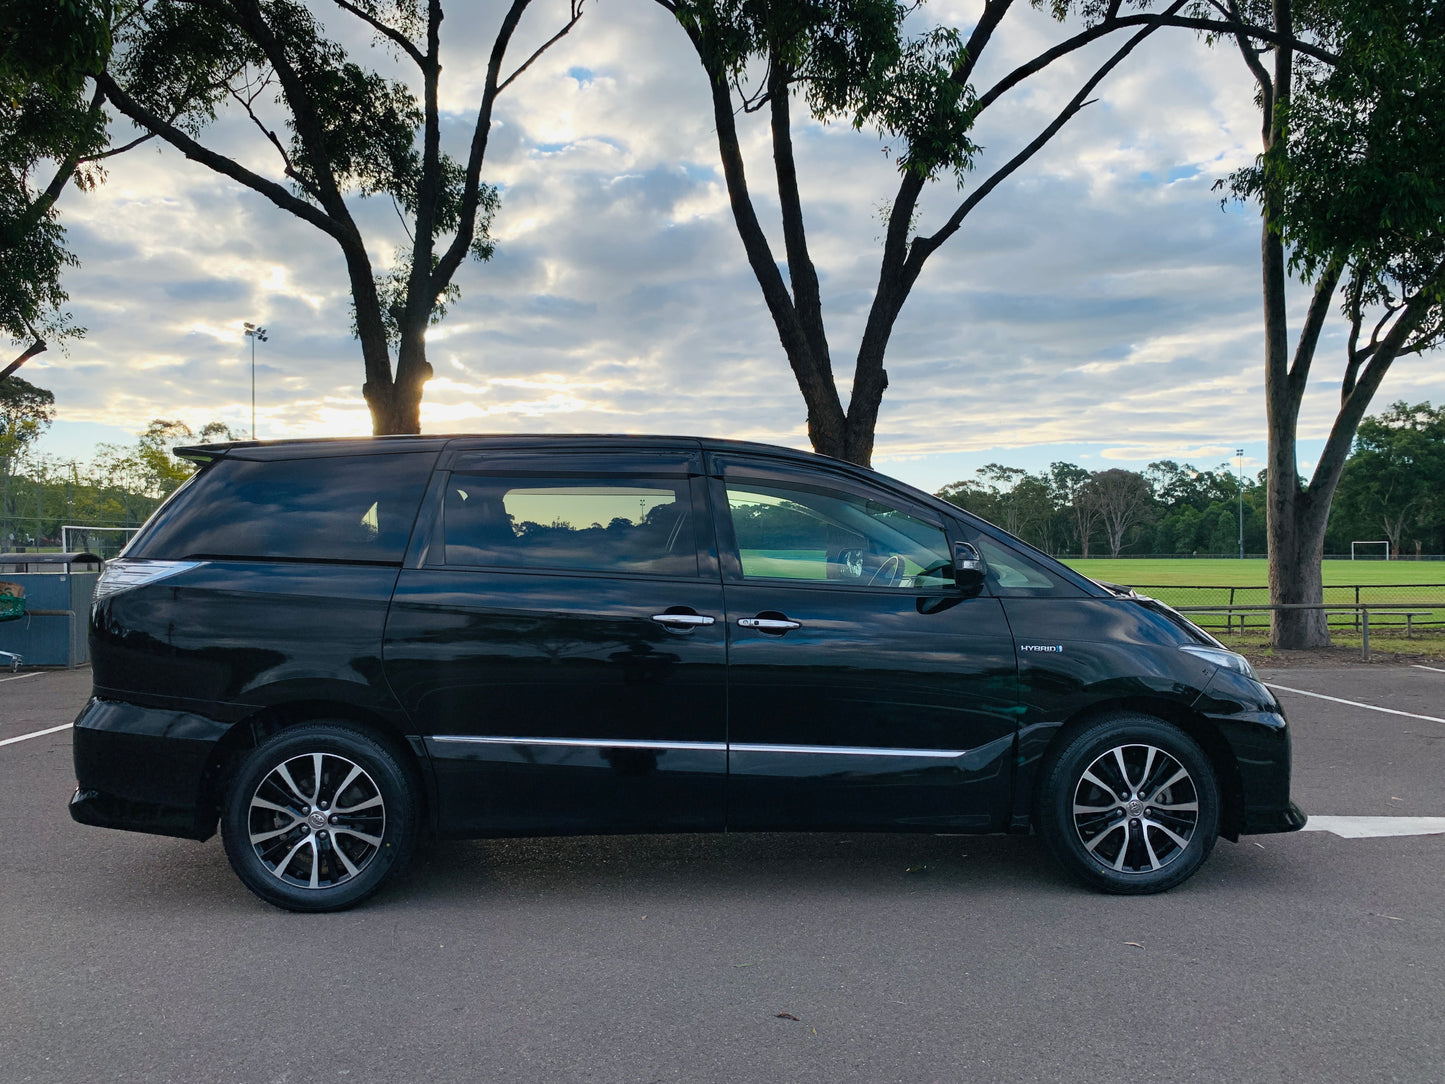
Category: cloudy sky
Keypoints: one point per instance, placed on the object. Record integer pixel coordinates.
(1099, 307)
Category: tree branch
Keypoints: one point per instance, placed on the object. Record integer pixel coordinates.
(922, 247)
(1110, 26)
(308, 125)
(471, 186)
(420, 295)
(978, 39)
(272, 138)
(193, 150)
(801, 272)
(553, 40)
(826, 421)
(113, 151)
(1258, 70)
(391, 33)
(37, 347)
(1352, 409)
(1299, 370)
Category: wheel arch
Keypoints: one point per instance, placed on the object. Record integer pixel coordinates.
(250, 732)
(1197, 727)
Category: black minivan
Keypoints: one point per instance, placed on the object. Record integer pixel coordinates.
(333, 646)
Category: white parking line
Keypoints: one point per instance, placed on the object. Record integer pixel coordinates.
(1355, 703)
(1422, 666)
(1372, 827)
(18, 677)
(37, 734)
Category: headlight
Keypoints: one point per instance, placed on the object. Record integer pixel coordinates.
(1220, 657)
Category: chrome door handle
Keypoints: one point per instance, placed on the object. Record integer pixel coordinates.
(683, 621)
(768, 624)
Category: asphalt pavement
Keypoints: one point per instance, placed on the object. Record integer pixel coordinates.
(743, 958)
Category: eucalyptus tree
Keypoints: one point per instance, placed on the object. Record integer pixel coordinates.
(1351, 189)
(335, 130)
(859, 61)
(1122, 500)
(52, 134)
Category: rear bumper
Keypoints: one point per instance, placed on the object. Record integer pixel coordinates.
(104, 810)
(144, 769)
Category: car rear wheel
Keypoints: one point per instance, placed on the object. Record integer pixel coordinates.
(1130, 805)
(318, 817)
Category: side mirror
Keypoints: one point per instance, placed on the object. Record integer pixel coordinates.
(968, 566)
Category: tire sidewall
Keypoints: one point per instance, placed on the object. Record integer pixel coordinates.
(398, 837)
(1064, 771)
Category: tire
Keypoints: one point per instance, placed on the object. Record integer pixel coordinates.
(318, 817)
(1129, 805)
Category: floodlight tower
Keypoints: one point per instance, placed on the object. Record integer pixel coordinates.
(253, 333)
(1240, 453)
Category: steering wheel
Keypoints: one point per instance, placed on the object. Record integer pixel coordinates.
(887, 572)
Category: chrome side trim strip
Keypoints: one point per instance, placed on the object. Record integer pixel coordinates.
(589, 743)
(853, 751)
(707, 746)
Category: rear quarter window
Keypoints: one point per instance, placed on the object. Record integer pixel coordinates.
(329, 508)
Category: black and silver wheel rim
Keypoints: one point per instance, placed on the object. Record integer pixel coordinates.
(317, 820)
(1136, 809)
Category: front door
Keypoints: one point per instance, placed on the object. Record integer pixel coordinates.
(865, 689)
(561, 645)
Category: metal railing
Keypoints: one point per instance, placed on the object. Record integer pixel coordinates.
(1426, 601)
(1361, 613)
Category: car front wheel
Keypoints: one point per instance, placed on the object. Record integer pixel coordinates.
(1130, 805)
(318, 817)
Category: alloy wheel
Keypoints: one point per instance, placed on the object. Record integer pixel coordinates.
(316, 820)
(1135, 809)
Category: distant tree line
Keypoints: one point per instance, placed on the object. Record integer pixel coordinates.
(120, 486)
(1392, 488)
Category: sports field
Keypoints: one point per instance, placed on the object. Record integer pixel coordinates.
(1251, 572)
(1414, 587)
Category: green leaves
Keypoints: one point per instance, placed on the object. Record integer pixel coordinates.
(1360, 172)
(182, 61)
(26, 411)
(851, 60)
(48, 124)
(1395, 481)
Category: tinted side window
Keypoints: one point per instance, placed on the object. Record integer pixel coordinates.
(633, 524)
(1013, 575)
(342, 508)
(805, 532)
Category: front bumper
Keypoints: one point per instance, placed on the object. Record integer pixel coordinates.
(144, 769)
(1250, 720)
(1258, 822)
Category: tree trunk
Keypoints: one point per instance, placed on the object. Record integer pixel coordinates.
(37, 347)
(1296, 551)
(396, 404)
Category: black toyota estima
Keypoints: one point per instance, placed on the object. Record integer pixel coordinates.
(330, 647)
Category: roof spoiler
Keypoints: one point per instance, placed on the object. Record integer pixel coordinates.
(201, 454)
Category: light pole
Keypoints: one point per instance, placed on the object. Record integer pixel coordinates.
(1240, 453)
(253, 333)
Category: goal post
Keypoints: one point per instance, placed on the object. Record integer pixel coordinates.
(1354, 546)
(104, 542)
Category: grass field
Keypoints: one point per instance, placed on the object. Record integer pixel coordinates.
(1222, 581)
(1251, 572)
